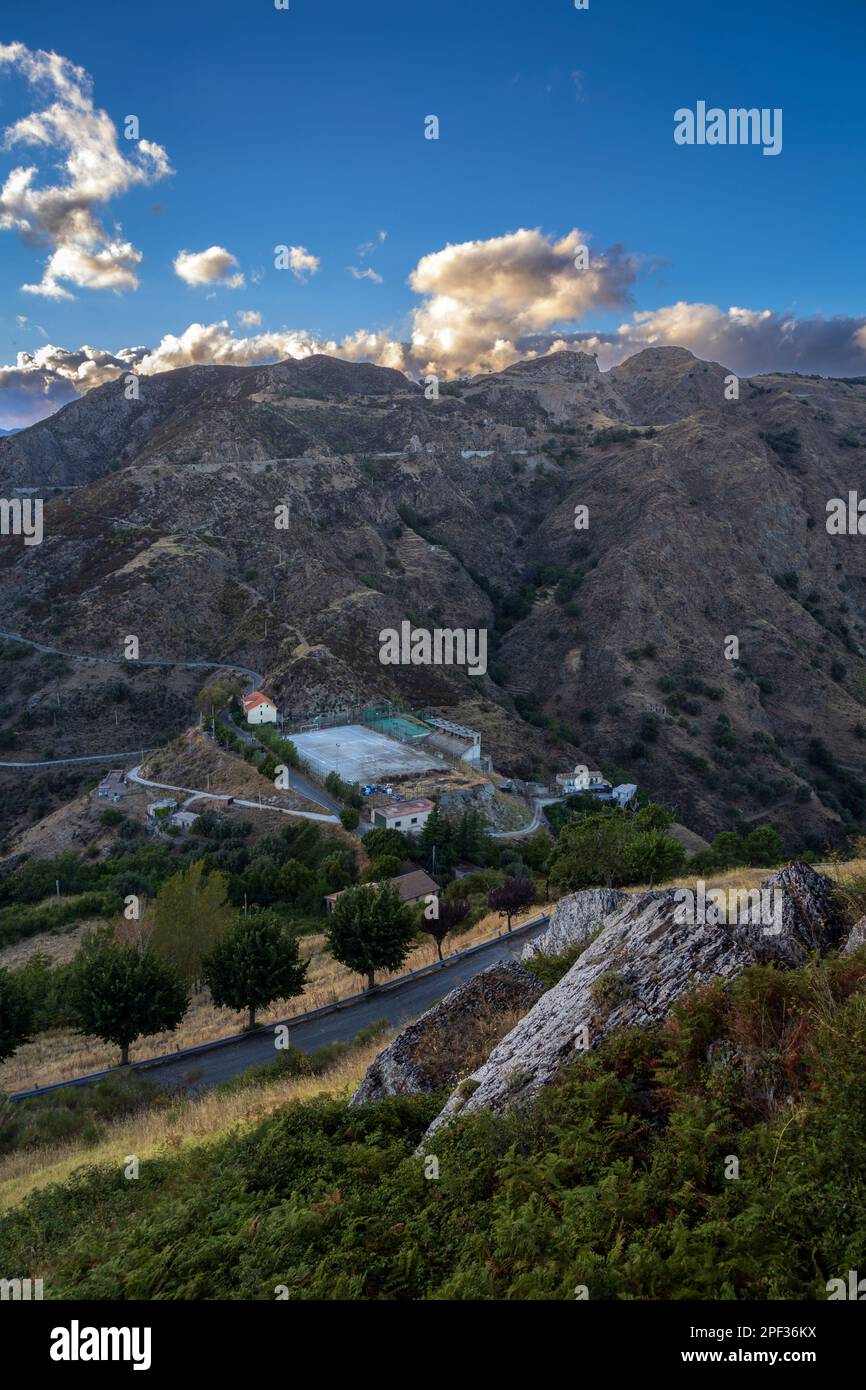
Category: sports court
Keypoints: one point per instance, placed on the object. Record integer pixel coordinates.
(399, 726)
(359, 754)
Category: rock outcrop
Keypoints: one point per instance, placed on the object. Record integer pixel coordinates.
(574, 919)
(856, 938)
(797, 914)
(451, 1038)
(645, 957)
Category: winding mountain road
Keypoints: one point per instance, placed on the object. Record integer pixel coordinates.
(256, 677)
(195, 794)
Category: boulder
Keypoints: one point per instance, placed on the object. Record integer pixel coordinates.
(452, 1037)
(798, 914)
(644, 958)
(856, 938)
(574, 919)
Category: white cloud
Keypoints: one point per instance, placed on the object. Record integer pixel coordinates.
(368, 247)
(749, 341)
(368, 274)
(62, 215)
(484, 305)
(215, 266)
(482, 297)
(300, 261)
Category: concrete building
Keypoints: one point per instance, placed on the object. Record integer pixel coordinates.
(258, 709)
(184, 820)
(159, 811)
(455, 739)
(412, 888)
(408, 816)
(113, 785)
(582, 780)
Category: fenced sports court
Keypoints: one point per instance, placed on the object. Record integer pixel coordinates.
(359, 753)
(398, 726)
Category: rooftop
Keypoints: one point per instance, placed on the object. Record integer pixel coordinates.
(404, 808)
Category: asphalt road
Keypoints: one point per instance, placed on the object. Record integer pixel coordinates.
(254, 676)
(87, 758)
(194, 794)
(297, 781)
(399, 1005)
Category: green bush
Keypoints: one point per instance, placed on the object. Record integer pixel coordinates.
(614, 1177)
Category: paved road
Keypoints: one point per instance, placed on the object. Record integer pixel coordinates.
(255, 676)
(194, 794)
(536, 821)
(399, 1005)
(87, 758)
(297, 781)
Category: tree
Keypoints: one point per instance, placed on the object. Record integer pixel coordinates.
(653, 817)
(591, 851)
(728, 849)
(764, 845)
(381, 841)
(654, 856)
(370, 930)
(536, 851)
(438, 835)
(119, 993)
(514, 894)
(254, 963)
(383, 867)
(190, 913)
(16, 1014)
(449, 913)
(216, 696)
(470, 840)
(295, 880)
(350, 818)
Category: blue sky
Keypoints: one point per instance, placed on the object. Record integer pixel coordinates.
(305, 127)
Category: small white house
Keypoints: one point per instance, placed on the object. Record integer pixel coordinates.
(113, 785)
(258, 709)
(582, 780)
(184, 820)
(159, 811)
(407, 816)
(624, 794)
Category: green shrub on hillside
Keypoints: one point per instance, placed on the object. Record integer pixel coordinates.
(615, 1176)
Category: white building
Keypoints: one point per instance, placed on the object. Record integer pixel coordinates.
(258, 709)
(161, 810)
(582, 780)
(407, 816)
(184, 820)
(113, 785)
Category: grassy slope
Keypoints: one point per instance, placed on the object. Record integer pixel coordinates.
(616, 1178)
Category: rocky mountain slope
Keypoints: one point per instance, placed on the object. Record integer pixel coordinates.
(706, 522)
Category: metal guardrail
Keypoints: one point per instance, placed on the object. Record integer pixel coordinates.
(151, 1063)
